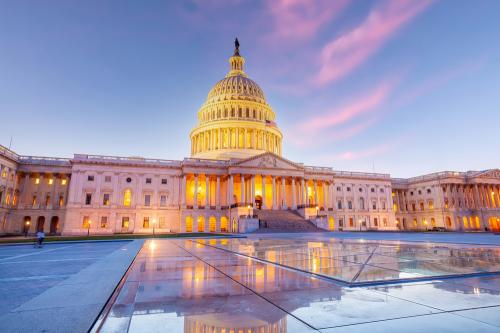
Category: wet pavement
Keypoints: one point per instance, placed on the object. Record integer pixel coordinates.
(297, 285)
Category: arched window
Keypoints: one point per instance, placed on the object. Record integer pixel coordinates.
(223, 224)
(127, 198)
(189, 224)
(201, 223)
(212, 222)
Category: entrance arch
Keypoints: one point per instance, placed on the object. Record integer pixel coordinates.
(189, 224)
(201, 223)
(223, 224)
(26, 223)
(331, 223)
(40, 223)
(212, 223)
(234, 225)
(54, 224)
(258, 202)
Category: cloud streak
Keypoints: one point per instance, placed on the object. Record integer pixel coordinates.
(342, 55)
(299, 20)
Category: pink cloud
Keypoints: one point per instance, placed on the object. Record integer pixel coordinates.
(360, 106)
(372, 151)
(298, 20)
(344, 54)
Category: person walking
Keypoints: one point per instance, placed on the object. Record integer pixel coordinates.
(40, 236)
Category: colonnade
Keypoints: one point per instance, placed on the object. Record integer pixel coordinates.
(235, 138)
(258, 191)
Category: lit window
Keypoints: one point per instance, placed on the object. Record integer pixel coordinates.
(86, 222)
(4, 174)
(51, 181)
(47, 200)
(104, 222)
(33, 201)
(37, 180)
(127, 198)
(125, 222)
(88, 198)
(105, 199)
(145, 222)
(64, 181)
(14, 200)
(431, 204)
(61, 200)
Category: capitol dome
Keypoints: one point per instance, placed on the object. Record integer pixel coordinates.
(235, 121)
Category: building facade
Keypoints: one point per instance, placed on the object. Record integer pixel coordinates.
(236, 171)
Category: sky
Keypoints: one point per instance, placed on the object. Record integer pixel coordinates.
(400, 87)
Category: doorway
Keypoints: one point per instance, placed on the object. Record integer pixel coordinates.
(258, 202)
(54, 223)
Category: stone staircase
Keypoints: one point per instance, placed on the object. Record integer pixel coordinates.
(283, 221)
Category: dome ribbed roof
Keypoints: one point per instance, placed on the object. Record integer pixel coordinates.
(237, 87)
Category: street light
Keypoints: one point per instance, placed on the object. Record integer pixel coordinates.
(249, 210)
(154, 225)
(88, 228)
(27, 228)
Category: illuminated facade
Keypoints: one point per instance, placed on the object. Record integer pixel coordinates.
(236, 176)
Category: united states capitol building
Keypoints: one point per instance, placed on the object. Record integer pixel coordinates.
(236, 180)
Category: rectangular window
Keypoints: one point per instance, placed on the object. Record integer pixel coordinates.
(349, 204)
(105, 199)
(47, 200)
(86, 222)
(339, 189)
(148, 180)
(413, 207)
(63, 181)
(4, 174)
(125, 222)
(422, 206)
(431, 204)
(147, 200)
(104, 222)
(162, 224)
(374, 205)
(37, 180)
(107, 179)
(339, 204)
(164, 181)
(90, 178)
(383, 205)
(381, 190)
(372, 190)
(351, 222)
(163, 200)
(61, 200)
(51, 181)
(348, 189)
(145, 222)
(33, 201)
(88, 198)
(375, 222)
(385, 222)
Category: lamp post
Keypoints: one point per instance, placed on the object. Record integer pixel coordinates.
(27, 228)
(88, 228)
(154, 225)
(249, 210)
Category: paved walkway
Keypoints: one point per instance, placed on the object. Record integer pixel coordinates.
(60, 287)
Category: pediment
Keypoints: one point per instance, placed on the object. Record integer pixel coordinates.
(269, 161)
(491, 173)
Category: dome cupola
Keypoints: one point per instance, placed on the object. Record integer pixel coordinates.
(235, 121)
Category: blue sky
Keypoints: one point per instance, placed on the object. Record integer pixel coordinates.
(404, 87)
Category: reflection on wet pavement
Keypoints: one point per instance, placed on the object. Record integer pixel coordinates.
(233, 286)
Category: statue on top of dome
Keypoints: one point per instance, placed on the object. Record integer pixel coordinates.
(236, 47)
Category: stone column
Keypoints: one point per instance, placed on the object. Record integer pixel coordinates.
(26, 192)
(242, 179)
(283, 193)
(274, 192)
(183, 191)
(207, 191)
(263, 180)
(497, 195)
(252, 191)
(303, 191)
(315, 184)
(325, 196)
(294, 193)
(195, 196)
(477, 203)
(230, 190)
(217, 193)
